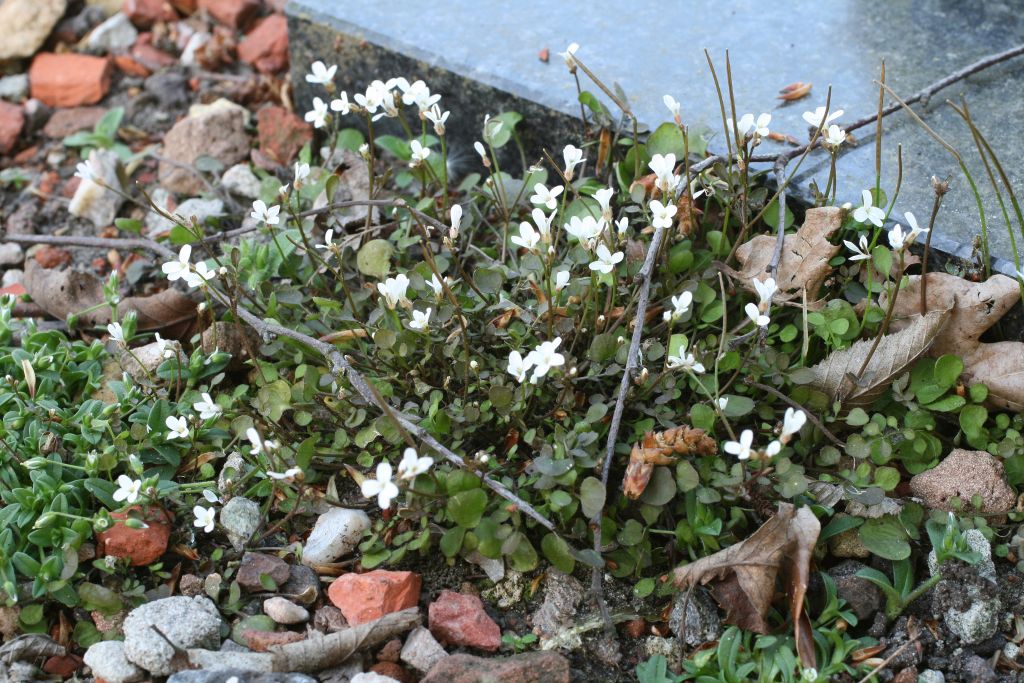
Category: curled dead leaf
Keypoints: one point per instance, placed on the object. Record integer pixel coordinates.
(840, 377)
(805, 256)
(743, 576)
(794, 91)
(976, 306)
(659, 448)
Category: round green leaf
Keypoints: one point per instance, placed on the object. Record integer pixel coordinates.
(592, 496)
(558, 553)
(374, 258)
(885, 537)
(467, 507)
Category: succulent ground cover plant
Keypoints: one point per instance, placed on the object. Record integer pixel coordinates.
(627, 359)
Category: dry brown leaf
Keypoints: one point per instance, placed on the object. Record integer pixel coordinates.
(805, 256)
(794, 91)
(658, 448)
(895, 353)
(977, 307)
(65, 292)
(744, 574)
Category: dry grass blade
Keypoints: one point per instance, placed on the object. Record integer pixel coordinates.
(894, 355)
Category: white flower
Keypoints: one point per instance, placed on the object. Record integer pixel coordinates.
(116, 332)
(178, 427)
(320, 74)
(207, 408)
(200, 276)
(412, 466)
(163, 347)
(723, 402)
(765, 291)
(686, 361)
(898, 238)
(621, 226)
(341, 104)
(543, 223)
(663, 166)
(527, 238)
(205, 518)
(437, 117)
(773, 449)
(210, 496)
(680, 305)
(867, 212)
(792, 422)
(570, 56)
(743, 126)
(492, 127)
(420, 320)
(573, 157)
(561, 280)
(456, 213)
(318, 114)
(915, 229)
(382, 486)
(756, 316)
(419, 153)
(519, 366)
(545, 357)
(761, 125)
(376, 93)
(394, 290)
(328, 240)
(606, 261)
(585, 229)
(661, 214)
(673, 106)
(436, 285)
(835, 136)
(604, 198)
(741, 449)
(817, 119)
(479, 147)
(542, 195)
(258, 444)
(177, 269)
(301, 172)
(264, 214)
(861, 253)
(127, 489)
(288, 475)
(85, 171)
(419, 94)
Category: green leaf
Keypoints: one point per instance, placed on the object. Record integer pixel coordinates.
(885, 537)
(273, 399)
(666, 139)
(947, 370)
(771, 215)
(592, 496)
(558, 553)
(508, 120)
(396, 145)
(523, 557)
(947, 404)
(882, 258)
(350, 139)
(451, 541)
(887, 478)
(661, 489)
(702, 417)
(737, 406)
(374, 258)
(129, 225)
(857, 418)
(603, 347)
(838, 525)
(687, 478)
(978, 392)
(107, 126)
(268, 583)
(467, 507)
(972, 419)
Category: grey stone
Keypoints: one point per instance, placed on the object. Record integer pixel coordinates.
(240, 676)
(107, 661)
(13, 276)
(240, 518)
(303, 585)
(143, 361)
(11, 254)
(329, 619)
(170, 87)
(862, 596)
(200, 209)
(216, 130)
(256, 565)
(702, 621)
(27, 24)
(114, 36)
(212, 585)
(335, 534)
(482, 66)
(979, 621)
(240, 180)
(163, 200)
(14, 88)
(187, 622)
(284, 611)
(96, 201)
(421, 650)
(562, 595)
(494, 568)
(931, 676)
(985, 566)
(234, 468)
(212, 660)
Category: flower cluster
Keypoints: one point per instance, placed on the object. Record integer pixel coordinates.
(792, 422)
(541, 360)
(384, 488)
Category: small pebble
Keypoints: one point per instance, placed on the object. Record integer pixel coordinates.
(284, 611)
